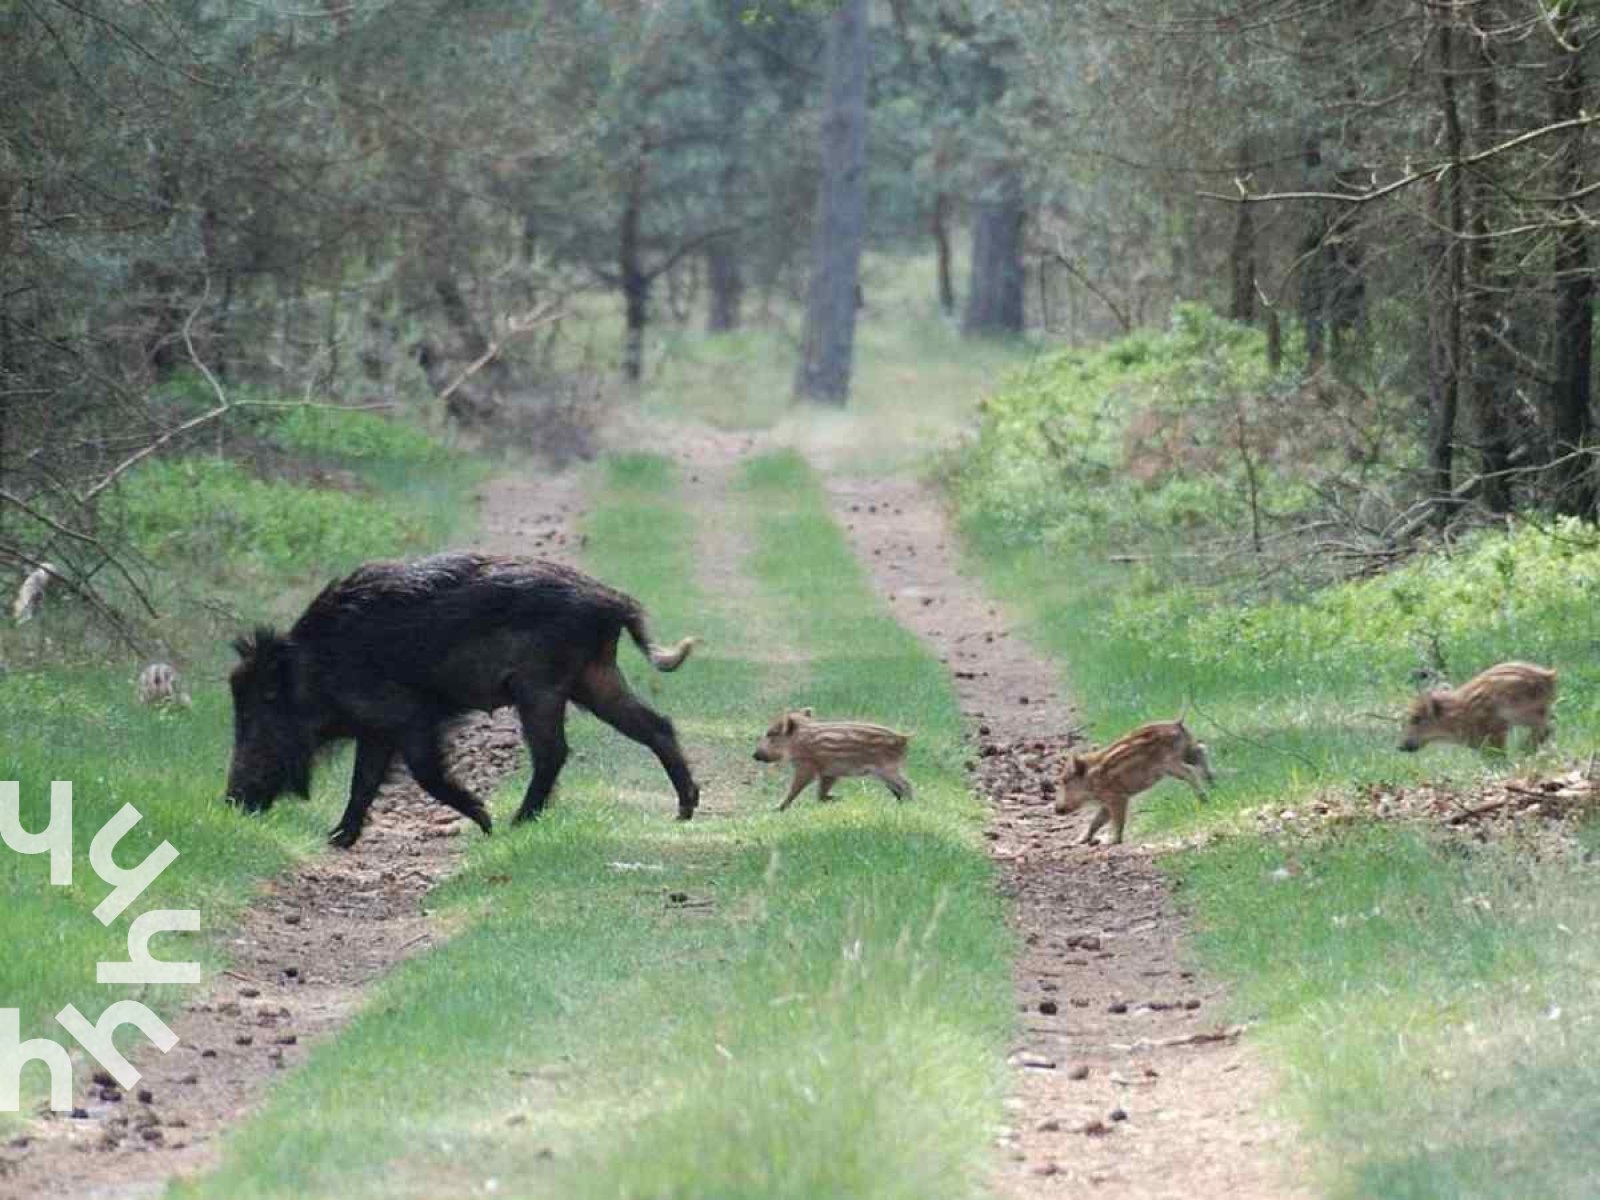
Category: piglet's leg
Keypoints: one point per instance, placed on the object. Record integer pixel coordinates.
(1099, 819)
(895, 782)
(803, 775)
(1540, 730)
(1119, 818)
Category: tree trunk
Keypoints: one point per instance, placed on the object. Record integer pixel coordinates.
(1491, 373)
(725, 278)
(1444, 319)
(1571, 388)
(994, 296)
(941, 247)
(474, 345)
(631, 274)
(1318, 269)
(724, 271)
(824, 370)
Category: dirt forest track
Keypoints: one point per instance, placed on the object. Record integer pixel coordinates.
(302, 956)
(1127, 1083)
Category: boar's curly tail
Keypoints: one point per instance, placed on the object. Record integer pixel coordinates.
(661, 660)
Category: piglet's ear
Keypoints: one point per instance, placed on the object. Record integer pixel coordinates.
(806, 712)
(1078, 766)
(788, 725)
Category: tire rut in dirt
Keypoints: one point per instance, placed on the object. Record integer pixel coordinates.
(1125, 1080)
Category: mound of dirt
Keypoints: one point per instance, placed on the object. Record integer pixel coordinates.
(1547, 806)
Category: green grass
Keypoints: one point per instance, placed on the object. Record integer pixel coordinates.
(1435, 1017)
(826, 1015)
(1430, 1005)
(82, 726)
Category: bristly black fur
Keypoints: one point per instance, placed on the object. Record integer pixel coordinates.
(393, 652)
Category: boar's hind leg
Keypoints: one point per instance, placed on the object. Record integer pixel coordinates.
(544, 728)
(372, 767)
(426, 762)
(604, 692)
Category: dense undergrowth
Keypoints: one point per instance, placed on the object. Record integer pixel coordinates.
(1169, 438)
(1428, 999)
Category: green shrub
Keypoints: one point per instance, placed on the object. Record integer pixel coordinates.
(202, 510)
(1156, 436)
(355, 435)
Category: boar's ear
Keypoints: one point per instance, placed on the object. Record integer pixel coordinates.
(259, 645)
(265, 657)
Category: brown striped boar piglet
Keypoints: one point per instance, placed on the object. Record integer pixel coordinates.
(1134, 763)
(1482, 711)
(827, 751)
(159, 686)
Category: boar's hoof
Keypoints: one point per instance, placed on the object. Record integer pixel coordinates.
(343, 837)
(686, 812)
(480, 817)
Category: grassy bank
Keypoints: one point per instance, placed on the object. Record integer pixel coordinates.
(222, 547)
(746, 1005)
(1429, 1001)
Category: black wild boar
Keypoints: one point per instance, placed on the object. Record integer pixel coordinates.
(388, 655)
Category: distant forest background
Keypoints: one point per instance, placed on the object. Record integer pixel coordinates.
(208, 204)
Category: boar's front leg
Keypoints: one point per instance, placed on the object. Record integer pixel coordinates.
(544, 728)
(425, 759)
(372, 768)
